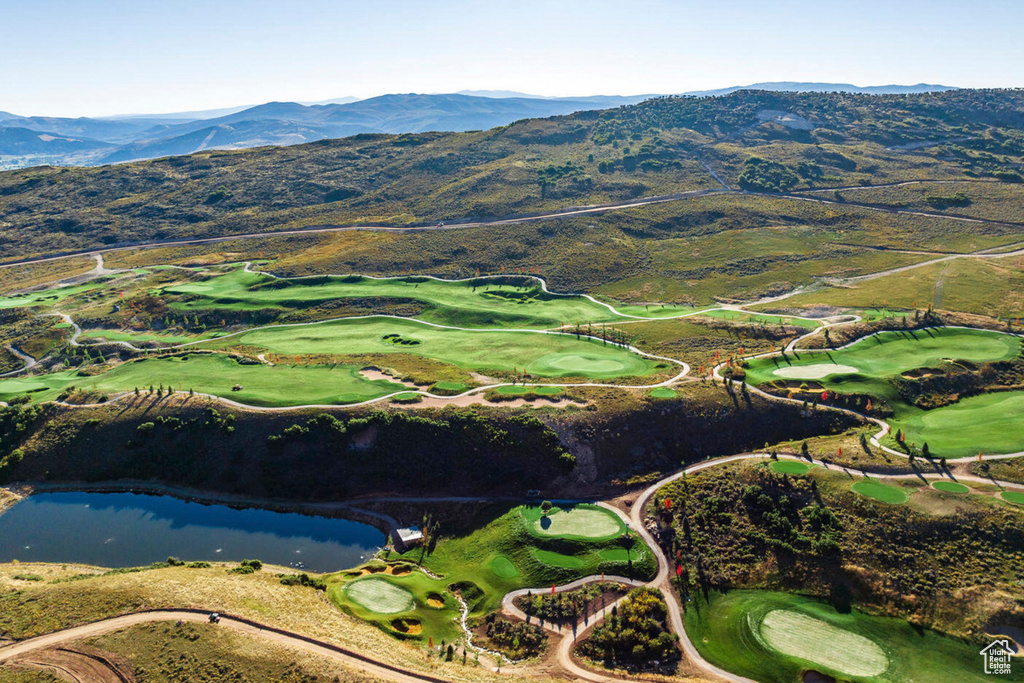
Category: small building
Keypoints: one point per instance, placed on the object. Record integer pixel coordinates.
(407, 537)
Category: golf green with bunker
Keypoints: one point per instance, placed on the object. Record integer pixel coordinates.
(988, 422)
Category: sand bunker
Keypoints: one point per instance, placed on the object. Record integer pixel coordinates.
(816, 371)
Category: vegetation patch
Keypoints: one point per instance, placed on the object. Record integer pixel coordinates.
(662, 392)
(1015, 497)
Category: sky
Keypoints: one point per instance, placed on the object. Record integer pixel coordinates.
(105, 57)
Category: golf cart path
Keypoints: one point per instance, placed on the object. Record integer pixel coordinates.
(287, 638)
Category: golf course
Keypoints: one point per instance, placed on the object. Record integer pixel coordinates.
(522, 547)
(776, 637)
(986, 422)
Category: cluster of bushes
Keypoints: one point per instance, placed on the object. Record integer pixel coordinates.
(568, 606)
(516, 640)
(303, 579)
(634, 635)
(763, 175)
(247, 567)
(16, 421)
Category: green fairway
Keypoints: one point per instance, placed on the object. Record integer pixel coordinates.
(950, 487)
(577, 522)
(987, 422)
(380, 596)
(662, 392)
(775, 637)
(1015, 497)
(481, 302)
(790, 467)
(49, 297)
(880, 492)
(873, 360)
(218, 374)
(549, 355)
(555, 559)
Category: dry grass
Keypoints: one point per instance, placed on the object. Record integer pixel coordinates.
(46, 606)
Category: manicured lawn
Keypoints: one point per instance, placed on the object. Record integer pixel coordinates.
(1013, 496)
(774, 637)
(951, 487)
(49, 297)
(503, 554)
(988, 422)
(503, 567)
(662, 392)
(262, 385)
(580, 522)
(514, 390)
(880, 492)
(548, 355)
(792, 467)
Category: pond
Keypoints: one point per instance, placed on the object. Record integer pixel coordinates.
(129, 530)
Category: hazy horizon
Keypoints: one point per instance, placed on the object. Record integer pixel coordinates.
(115, 57)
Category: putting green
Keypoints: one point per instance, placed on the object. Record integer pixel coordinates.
(546, 391)
(504, 568)
(514, 390)
(950, 487)
(556, 364)
(989, 423)
(880, 492)
(790, 467)
(662, 392)
(553, 559)
(380, 596)
(816, 371)
(1015, 497)
(549, 355)
(578, 522)
(813, 640)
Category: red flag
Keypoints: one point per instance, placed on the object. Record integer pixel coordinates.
(824, 395)
(668, 503)
(741, 350)
(679, 570)
(716, 355)
(552, 589)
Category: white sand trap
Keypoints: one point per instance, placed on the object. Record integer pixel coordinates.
(816, 371)
(820, 643)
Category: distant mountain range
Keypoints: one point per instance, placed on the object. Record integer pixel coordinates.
(36, 140)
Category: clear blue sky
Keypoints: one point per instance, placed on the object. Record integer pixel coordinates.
(95, 57)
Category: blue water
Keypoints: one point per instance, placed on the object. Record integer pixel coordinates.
(129, 530)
